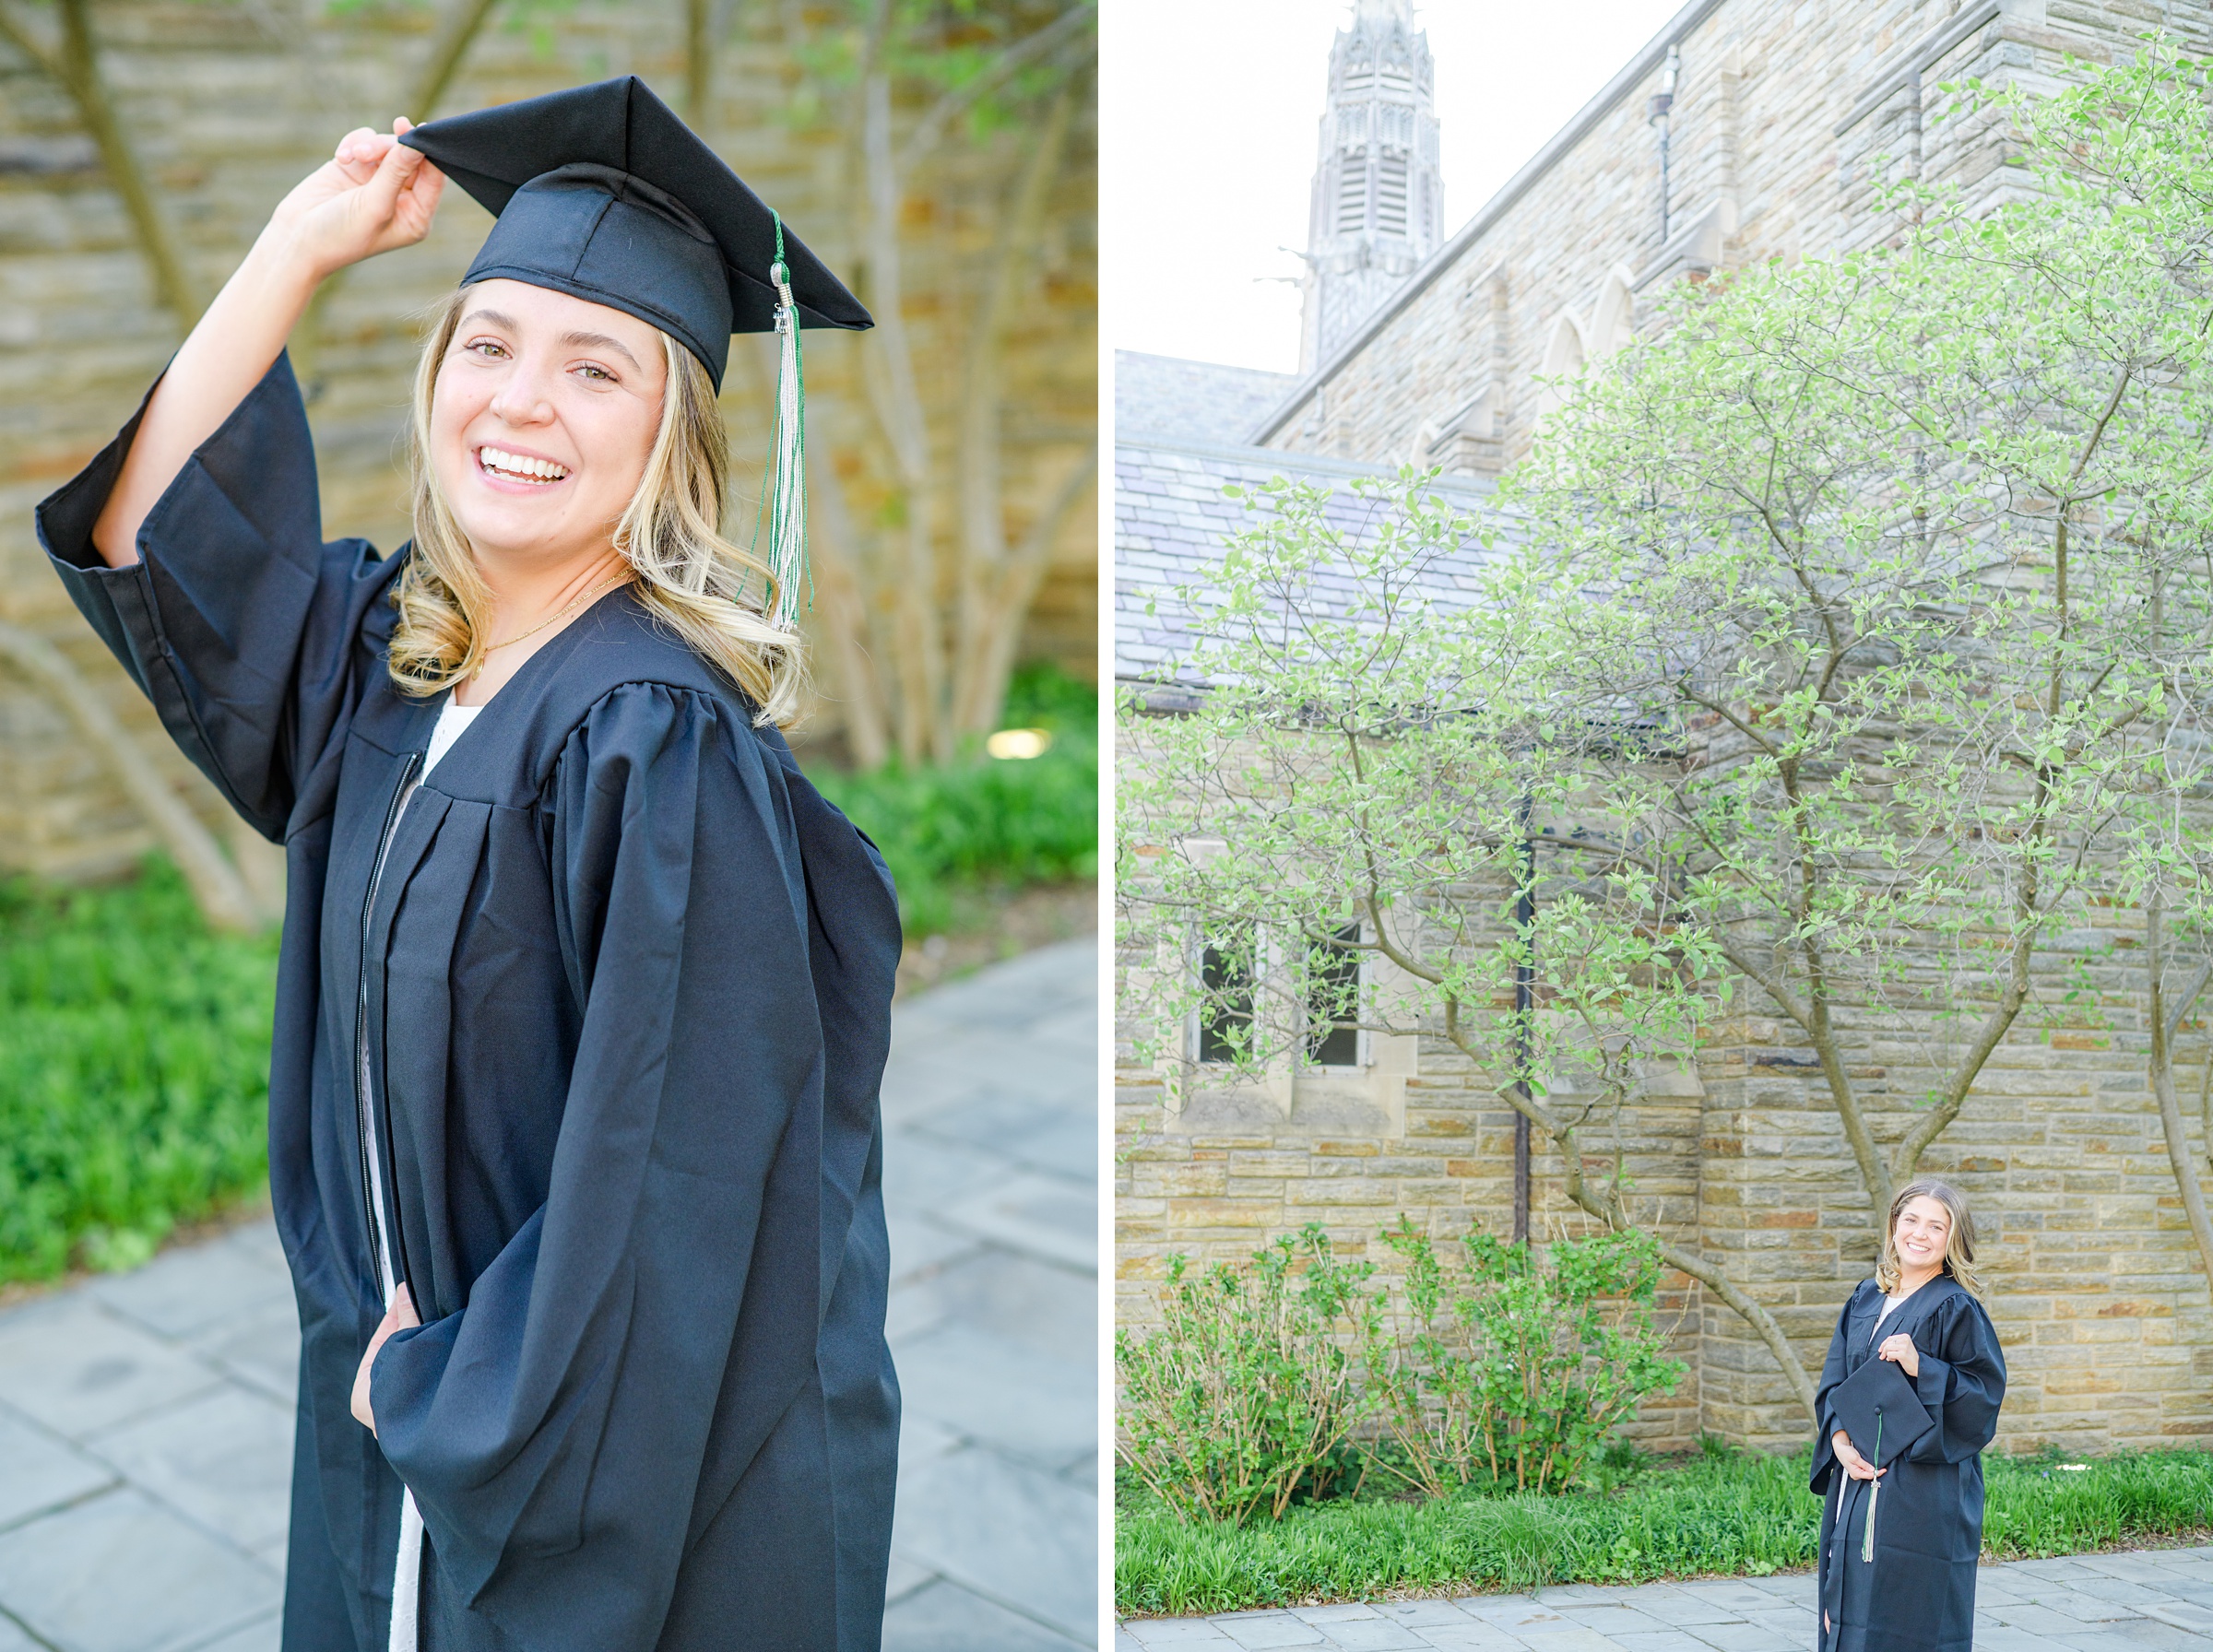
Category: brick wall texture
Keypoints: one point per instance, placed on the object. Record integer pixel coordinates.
(2096, 1287)
(231, 104)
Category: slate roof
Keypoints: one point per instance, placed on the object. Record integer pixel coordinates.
(1170, 520)
(1192, 401)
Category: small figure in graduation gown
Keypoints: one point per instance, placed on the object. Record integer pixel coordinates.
(584, 994)
(1921, 1311)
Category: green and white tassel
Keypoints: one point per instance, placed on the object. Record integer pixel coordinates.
(1875, 1489)
(787, 496)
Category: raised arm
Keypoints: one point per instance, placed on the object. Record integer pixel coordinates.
(374, 194)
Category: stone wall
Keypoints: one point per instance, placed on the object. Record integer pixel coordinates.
(230, 103)
(2094, 1281)
(1786, 113)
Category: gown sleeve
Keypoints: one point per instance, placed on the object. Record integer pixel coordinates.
(572, 1396)
(1962, 1383)
(237, 621)
(1832, 1373)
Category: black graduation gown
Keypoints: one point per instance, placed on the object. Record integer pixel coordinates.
(625, 984)
(1919, 1593)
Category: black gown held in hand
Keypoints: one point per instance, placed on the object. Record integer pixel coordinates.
(625, 987)
(1918, 1595)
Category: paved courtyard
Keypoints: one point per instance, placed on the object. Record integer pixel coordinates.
(146, 1419)
(2156, 1600)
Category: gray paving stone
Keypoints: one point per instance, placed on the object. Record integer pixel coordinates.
(1681, 1608)
(1516, 1614)
(2142, 1632)
(1014, 1125)
(118, 1574)
(920, 1172)
(1422, 1615)
(1040, 1409)
(182, 1292)
(903, 1579)
(263, 1635)
(2012, 1640)
(2182, 1614)
(1260, 1630)
(2062, 1601)
(1151, 1633)
(1053, 1217)
(1612, 1619)
(1670, 1640)
(68, 1363)
(39, 1472)
(262, 1351)
(947, 1618)
(1734, 1593)
(1376, 1635)
(224, 1459)
(1745, 1637)
(1028, 1302)
(1473, 1635)
(1126, 1642)
(919, 1243)
(1008, 1532)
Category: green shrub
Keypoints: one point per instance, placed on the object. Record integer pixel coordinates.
(1736, 1513)
(985, 823)
(134, 1069)
(1246, 1393)
(1515, 1370)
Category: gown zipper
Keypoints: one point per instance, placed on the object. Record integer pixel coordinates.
(374, 1181)
(383, 1227)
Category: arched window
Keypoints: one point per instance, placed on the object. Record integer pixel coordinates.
(1610, 314)
(1565, 353)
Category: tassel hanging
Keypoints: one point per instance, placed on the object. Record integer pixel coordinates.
(1875, 1490)
(787, 497)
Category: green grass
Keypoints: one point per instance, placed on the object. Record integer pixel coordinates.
(1732, 1514)
(984, 824)
(134, 1069)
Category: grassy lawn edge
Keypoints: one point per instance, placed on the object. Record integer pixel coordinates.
(1722, 1515)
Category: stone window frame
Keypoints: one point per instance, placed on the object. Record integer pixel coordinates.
(1271, 953)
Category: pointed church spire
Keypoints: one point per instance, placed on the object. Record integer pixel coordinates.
(1378, 200)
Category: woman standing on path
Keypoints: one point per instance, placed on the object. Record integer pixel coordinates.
(1914, 1589)
(585, 993)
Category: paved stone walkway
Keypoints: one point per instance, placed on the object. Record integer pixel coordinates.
(146, 1424)
(2156, 1600)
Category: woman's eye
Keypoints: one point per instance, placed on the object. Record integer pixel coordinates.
(589, 372)
(487, 347)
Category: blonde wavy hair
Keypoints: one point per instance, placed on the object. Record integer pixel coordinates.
(1959, 1243)
(713, 594)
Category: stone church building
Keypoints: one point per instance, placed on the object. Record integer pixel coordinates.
(1746, 130)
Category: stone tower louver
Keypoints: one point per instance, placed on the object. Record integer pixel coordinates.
(1379, 202)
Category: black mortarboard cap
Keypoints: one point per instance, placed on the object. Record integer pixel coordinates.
(601, 192)
(1880, 1387)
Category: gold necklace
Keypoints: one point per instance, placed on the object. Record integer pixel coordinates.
(596, 591)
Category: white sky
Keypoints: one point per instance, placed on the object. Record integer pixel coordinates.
(1209, 127)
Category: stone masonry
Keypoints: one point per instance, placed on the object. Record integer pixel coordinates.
(2094, 1282)
(231, 105)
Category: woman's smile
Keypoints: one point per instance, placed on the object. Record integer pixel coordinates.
(513, 470)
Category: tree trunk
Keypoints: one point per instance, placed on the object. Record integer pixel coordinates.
(986, 576)
(2162, 1084)
(888, 369)
(76, 69)
(224, 899)
(463, 24)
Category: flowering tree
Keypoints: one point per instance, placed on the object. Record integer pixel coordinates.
(1842, 643)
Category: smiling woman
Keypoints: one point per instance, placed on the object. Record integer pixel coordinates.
(583, 995)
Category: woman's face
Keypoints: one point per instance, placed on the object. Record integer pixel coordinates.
(1924, 1226)
(543, 418)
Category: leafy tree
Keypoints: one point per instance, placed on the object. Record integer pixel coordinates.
(1842, 643)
